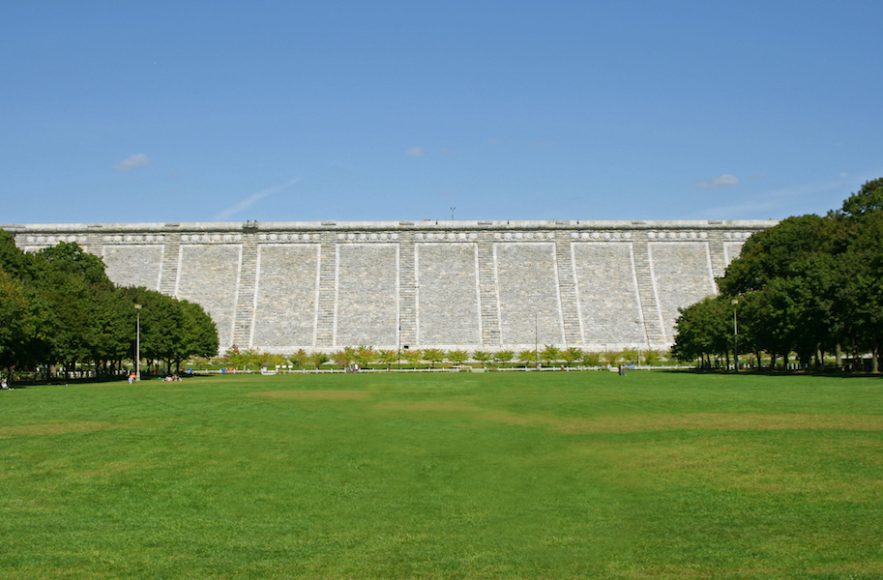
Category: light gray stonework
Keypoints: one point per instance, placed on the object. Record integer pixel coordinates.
(280, 286)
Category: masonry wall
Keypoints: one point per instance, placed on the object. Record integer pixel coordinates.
(281, 286)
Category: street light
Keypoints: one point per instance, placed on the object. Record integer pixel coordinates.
(137, 342)
(735, 336)
(536, 339)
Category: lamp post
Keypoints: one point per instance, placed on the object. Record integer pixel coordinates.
(137, 342)
(735, 336)
(536, 339)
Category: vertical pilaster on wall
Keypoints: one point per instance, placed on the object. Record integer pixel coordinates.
(407, 290)
(94, 244)
(244, 315)
(170, 263)
(487, 291)
(647, 292)
(718, 259)
(327, 290)
(567, 289)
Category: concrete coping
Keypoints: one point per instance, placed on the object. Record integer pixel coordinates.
(446, 225)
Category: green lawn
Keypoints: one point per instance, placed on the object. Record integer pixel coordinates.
(468, 475)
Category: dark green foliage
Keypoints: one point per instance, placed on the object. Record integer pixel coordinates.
(869, 199)
(807, 286)
(58, 307)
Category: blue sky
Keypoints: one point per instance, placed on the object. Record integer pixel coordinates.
(120, 111)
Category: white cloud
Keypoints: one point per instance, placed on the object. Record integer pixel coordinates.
(723, 180)
(252, 199)
(133, 161)
(415, 152)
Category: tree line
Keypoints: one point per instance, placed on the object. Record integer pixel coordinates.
(59, 310)
(368, 357)
(806, 290)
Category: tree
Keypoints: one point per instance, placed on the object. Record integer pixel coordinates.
(571, 355)
(198, 335)
(703, 330)
(550, 354)
(387, 358)
(162, 324)
(364, 355)
(860, 308)
(72, 305)
(504, 356)
(344, 357)
(16, 263)
(299, 359)
(458, 357)
(18, 322)
(868, 200)
(433, 355)
(318, 358)
(413, 356)
(527, 357)
(481, 356)
(591, 359)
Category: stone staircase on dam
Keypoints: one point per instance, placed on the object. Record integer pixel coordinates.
(451, 285)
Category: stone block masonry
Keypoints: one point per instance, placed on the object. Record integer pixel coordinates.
(282, 286)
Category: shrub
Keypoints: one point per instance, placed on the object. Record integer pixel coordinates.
(458, 357)
(504, 356)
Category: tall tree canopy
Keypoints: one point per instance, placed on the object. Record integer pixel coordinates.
(58, 307)
(809, 285)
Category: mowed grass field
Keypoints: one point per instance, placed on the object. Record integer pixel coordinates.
(558, 474)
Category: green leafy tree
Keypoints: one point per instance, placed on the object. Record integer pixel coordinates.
(364, 355)
(299, 359)
(481, 356)
(16, 263)
(458, 357)
(591, 359)
(868, 200)
(344, 357)
(198, 336)
(703, 330)
(550, 354)
(504, 356)
(387, 357)
(19, 324)
(162, 329)
(571, 355)
(527, 358)
(318, 359)
(413, 356)
(434, 356)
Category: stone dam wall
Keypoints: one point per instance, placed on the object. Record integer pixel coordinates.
(471, 285)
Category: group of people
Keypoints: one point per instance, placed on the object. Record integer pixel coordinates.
(168, 379)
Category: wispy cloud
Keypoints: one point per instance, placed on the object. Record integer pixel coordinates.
(723, 180)
(252, 199)
(132, 161)
(787, 200)
(415, 152)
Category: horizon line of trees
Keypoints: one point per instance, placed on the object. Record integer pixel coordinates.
(809, 287)
(364, 356)
(58, 308)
